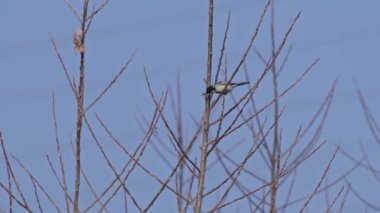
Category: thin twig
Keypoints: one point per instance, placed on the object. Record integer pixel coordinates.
(320, 181)
(36, 194)
(59, 182)
(58, 148)
(47, 195)
(112, 82)
(335, 199)
(9, 190)
(167, 124)
(361, 199)
(61, 61)
(106, 158)
(222, 50)
(75, 13)
(12, 175)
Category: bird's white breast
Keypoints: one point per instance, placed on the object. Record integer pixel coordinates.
(222, 88)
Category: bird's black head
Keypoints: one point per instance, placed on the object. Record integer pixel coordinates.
(210, 89)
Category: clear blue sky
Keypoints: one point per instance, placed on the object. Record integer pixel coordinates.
(171, 38)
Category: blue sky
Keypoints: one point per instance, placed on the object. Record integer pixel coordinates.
(170, 37)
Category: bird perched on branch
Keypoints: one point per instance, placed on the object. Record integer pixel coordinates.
(79, 46)
(223, 87)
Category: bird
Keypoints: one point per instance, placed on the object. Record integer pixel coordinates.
(78, 36)
(223, 87)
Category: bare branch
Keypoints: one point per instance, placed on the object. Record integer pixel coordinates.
(361, 199)
(320, 181)
(58, 148)
(12, 177)
(222, 50)
(47, 195)
(75, 13)
(112, 82)
(335, 199)
(69, 80)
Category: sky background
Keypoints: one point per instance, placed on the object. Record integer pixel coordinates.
(171, 39)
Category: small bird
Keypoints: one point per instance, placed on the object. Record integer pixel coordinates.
(223, 87)
(78, 35)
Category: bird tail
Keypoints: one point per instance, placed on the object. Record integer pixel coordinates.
(242, 83)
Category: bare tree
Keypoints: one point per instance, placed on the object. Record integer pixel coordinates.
(185, 168)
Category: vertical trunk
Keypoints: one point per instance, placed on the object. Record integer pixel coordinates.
(275, 158)
(80, 113)
(203, 163)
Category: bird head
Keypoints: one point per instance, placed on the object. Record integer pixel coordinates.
(210, 89)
